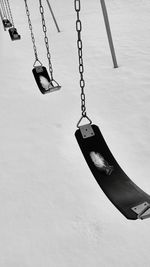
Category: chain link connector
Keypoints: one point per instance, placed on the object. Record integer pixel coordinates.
(142, 210)
(87, 131)
(37, 60)
(83, 117)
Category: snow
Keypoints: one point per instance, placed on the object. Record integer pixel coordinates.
(52, 212)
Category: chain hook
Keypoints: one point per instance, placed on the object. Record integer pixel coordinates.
(86, 117)
(37, 60)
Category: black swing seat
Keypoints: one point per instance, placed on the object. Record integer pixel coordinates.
(45, 84)
(14, 34)
(6, 23)
(128, 198)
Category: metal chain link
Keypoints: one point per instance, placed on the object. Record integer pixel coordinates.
(1, 15)
(77, 5)
(32, 34)
(9, 12)
(3, 8)
(46, 39)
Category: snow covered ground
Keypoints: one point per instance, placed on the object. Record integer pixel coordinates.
(52, 212)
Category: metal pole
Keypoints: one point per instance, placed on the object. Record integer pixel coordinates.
(106, 20)
(53, 15)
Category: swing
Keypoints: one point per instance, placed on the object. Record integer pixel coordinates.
(4, 13)
(6, 23)
(126, 196)
(14, 34)
(9, 23)
(46, 83)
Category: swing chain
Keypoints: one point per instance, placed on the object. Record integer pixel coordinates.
(32, 34)
(3, 9)
(46, 39)
(9, 11)
(80, 55)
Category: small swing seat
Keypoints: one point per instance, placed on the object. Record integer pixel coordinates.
(14, 34)
(45, 84)
(6, 23)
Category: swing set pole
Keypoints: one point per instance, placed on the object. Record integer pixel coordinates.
(106, 20)
(53, 16)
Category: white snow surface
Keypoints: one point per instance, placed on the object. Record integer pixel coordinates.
(52, 211)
